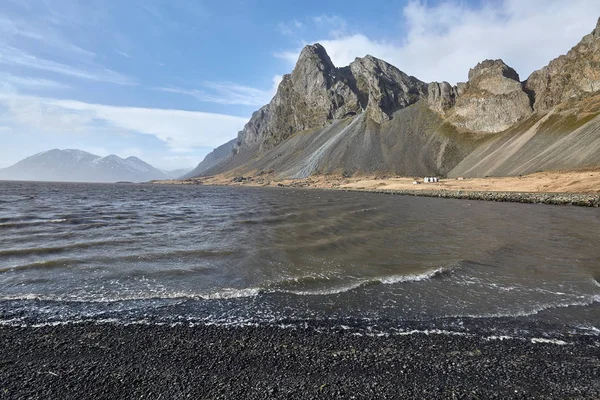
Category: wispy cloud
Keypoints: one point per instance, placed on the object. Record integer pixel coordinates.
(444, 39)
(225, 93)
(13, 28)
(16, 57)
(44, 39)
(335, 24)
(177, 129)
(126, 55)
(20, 82)
(289, 28)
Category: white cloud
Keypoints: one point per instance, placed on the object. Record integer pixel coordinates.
(123, 54)
(444, 40)
(276, 81)
(179, 130)
(31, 83)
(337, 26)
(15, 57)
(5, 130)
(225, 93)
(289, 28)
(13, 27)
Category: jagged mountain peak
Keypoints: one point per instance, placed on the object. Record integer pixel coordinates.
(488, 68)
(315, 53)
(316, 92)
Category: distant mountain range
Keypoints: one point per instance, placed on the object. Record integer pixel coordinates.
(72, 165)
(371, 118)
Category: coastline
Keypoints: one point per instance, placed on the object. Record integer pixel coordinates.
(152, 361)
(576, 188)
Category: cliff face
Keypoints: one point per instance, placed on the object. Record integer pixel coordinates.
(491, 101)
(371, 117)
(569, 76)
(317, 92)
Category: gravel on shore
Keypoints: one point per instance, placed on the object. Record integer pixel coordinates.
(113, 361)
(573, 199)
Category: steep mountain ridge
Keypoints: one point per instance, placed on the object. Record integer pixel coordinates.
(369, 117)
(79, 166)
(317, 92)
(574, 75)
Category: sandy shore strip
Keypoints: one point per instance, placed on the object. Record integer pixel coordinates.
(112, 361)
(580, 188)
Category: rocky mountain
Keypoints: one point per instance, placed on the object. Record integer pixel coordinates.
(571, 76)
(211, 159)
(369, 117)
(79, 166)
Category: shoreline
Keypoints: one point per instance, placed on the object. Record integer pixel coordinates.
(572, 199)
(133, 361)
(576, 188)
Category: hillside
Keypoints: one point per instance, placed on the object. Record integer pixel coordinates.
(371, 118)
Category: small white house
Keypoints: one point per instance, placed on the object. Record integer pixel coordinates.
(431, 179)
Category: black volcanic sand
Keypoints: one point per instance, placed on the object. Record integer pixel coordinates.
(111, 361)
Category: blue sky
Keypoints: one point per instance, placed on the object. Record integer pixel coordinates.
(168, 80)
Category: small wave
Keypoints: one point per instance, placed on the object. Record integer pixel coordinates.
(230, 293)
(388, 280)
(233, 293)
(43, 265)
(31, 222)
(536, 310)
(414, 278)
(62, 249)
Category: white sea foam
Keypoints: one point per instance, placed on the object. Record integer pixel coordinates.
(238, 323)
(230, 293)
(549, 341)
(389, 280)
(535, 310)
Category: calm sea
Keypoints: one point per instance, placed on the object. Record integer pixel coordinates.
(376, 264)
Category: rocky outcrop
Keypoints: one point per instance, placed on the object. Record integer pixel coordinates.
(441, 96)
(317, 92)
(385, 88)
(569, 76)
(491, 101)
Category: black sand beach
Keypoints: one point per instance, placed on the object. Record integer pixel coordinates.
(111, 361)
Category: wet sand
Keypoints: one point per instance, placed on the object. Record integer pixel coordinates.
(111, 361)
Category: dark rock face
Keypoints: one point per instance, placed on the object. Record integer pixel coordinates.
(569, 76)
(317, 92)
(385, 87)
(491, 101)
(441, 96)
